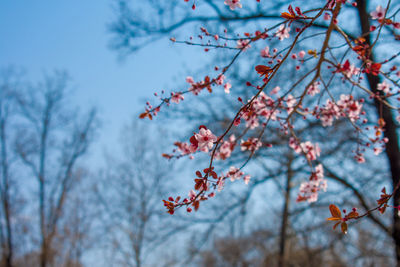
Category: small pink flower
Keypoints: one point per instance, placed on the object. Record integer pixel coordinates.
(265, 52)
(189, 80)
(360, 158)
(379, 13)
(293, 143)
(234, 174)
(220, 184)
(384, 86)
(226, 148)
(246, 179)
(283, 32)
(313, 89)
(220, 79)
(176, 97)
(233, 4)
(312, 151)
(377, 150)
(309, 190)
(192, 195)
(252, 144)
(227, 88)
(205, 139)
(275, 90)
(243, 44)
(291, 101)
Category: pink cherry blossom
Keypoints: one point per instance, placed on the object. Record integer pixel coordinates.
(290, 102)
(234, 173)
(227, 88)
(220, 184)
(176, 97)
(252, 122)
(345, 107)
(329, 112)
(283, 32)
(189, 80)
(312, 151)
(360, 158)
(379, 13)
(348, 70)
(251, 144)
(246, 179)
(185, 148)
(275, 90)
(205, 138)
(378, 150)
(294, 144)
(192, 195)
(313, 88)
(226, 148)
(384, 86)
(243, 44)
(349, 107)
(265, 52)
(309, 190)
(233, 4)
(220, 79)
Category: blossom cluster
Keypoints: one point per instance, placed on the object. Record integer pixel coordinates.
(309, 190)
(345, 107)
(282, 106)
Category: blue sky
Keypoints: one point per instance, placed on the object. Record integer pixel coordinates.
(41, 36)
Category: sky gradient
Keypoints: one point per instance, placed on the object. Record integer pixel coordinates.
(42, 36)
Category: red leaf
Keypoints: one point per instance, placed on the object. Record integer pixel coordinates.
(290, 8)
(263, 70)
(335, 211)
(143, 115)
(166, 156)
(344, 227)
(336, 224)
(196, 205)
(286, 15)
(352, 215)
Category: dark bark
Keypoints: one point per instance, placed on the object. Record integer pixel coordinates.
(5, 194)
(285, 214)
(42, 160)
(392, 147)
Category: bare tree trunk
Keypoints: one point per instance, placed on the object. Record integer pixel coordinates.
(285, 214)
(41, 180)
(392, 147)
(5, 197)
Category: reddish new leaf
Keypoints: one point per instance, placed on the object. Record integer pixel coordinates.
(336, 214)
(344, 228)
(263, 70)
